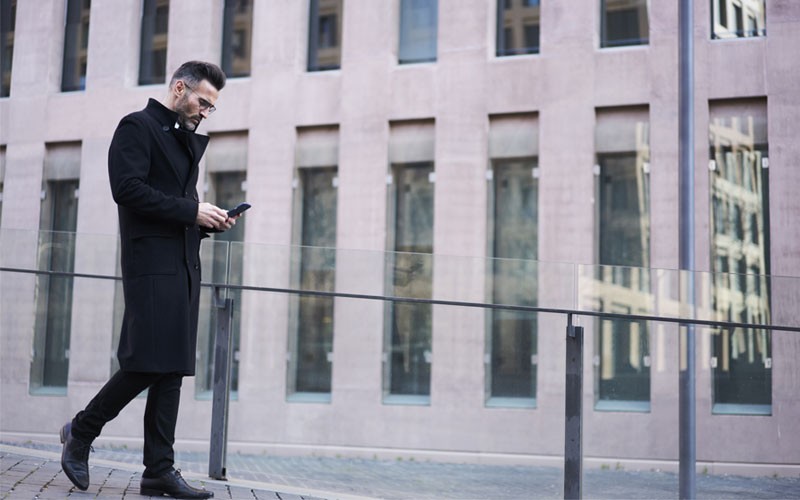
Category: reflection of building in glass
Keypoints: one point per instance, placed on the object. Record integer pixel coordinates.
(738, 18)
(153, 46)
(624, 22)
(237, 36)
(76, 44)
(313, 265)
(418, 31)
(739, 252)
(623, 285)
(57, 221)
(513, 233)
(410, 328)
(325, 35)
(517, 27)
(8, 15)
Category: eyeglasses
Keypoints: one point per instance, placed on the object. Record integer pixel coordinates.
(204, 105)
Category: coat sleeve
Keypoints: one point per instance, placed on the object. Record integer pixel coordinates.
(129, 163)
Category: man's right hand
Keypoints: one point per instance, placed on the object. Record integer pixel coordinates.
(211, 216)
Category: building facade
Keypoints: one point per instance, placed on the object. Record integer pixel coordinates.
(502, 151)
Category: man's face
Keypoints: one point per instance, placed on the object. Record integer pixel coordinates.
(194, 103)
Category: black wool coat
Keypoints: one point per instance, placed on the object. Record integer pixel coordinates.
(153, 170)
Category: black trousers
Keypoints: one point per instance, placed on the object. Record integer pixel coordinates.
(160, 415)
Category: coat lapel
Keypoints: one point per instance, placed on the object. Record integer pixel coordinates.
(176, 143)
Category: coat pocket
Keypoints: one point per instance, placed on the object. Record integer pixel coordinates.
(155, 255)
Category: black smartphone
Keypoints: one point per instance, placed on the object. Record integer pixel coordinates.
(241, 207)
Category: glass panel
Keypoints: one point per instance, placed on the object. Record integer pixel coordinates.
(325, 35)
(2, 177)
(76, 45)
(410, 273)
(237, 37)
(622, 355)
(418, 30)
(740, 236)
(738, 18)
(624, 22)
(153, 52)
(8, 17)
(119, 311)
(311, 349)
(225, 190)
(517, 27)
(50, 364)
(514, 280)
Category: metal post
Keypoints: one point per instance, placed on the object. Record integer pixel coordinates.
(687, 404)
(573, 424)
(223, 347)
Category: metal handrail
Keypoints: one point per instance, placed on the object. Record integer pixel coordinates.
(457, 303)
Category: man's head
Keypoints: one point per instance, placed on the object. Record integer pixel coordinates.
(193, 91)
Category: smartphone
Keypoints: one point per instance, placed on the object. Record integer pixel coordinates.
(241, 207)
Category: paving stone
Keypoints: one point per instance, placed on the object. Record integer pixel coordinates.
(29, 477)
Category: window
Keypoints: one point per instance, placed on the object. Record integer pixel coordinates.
(237, 37)
(58, 221)
(739, 183)
(226, 171)
(409, 329)
(76, 45)
(624, 22)
(622, 351)
(738, 18)
(513, 232)
(325, 35)
(8, 15)
(310, 356)
(153, 53)
(418, 31)
(517, 27)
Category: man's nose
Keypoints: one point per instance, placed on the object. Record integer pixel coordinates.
(204, 113)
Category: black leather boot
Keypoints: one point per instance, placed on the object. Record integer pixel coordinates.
(75, 458)
(172, 484)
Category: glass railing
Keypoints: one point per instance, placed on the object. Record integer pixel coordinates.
(441, 336)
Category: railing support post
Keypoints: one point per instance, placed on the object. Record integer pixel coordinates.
(223, 347)
(573, 423)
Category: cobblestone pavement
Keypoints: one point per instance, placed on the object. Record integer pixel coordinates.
(114, 473)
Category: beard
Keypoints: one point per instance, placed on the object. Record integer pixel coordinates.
(187, 120)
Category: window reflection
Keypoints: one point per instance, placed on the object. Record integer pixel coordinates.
(153, 49)
(624, 22)
(311, 349)
(8, 15)
(411, 275)
(738, 18)
(739, 183)
(325, 35)
(76, 44)
(418, 31)
(623, 282)
(237, 34)
(514, 279)
(517, 27)
(57, 223)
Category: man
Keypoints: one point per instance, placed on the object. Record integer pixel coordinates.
(153, 170)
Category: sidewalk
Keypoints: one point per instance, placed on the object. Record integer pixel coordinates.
(33, 470)
(27, 474)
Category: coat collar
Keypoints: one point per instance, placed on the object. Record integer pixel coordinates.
(168, 119)
(163, 115)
